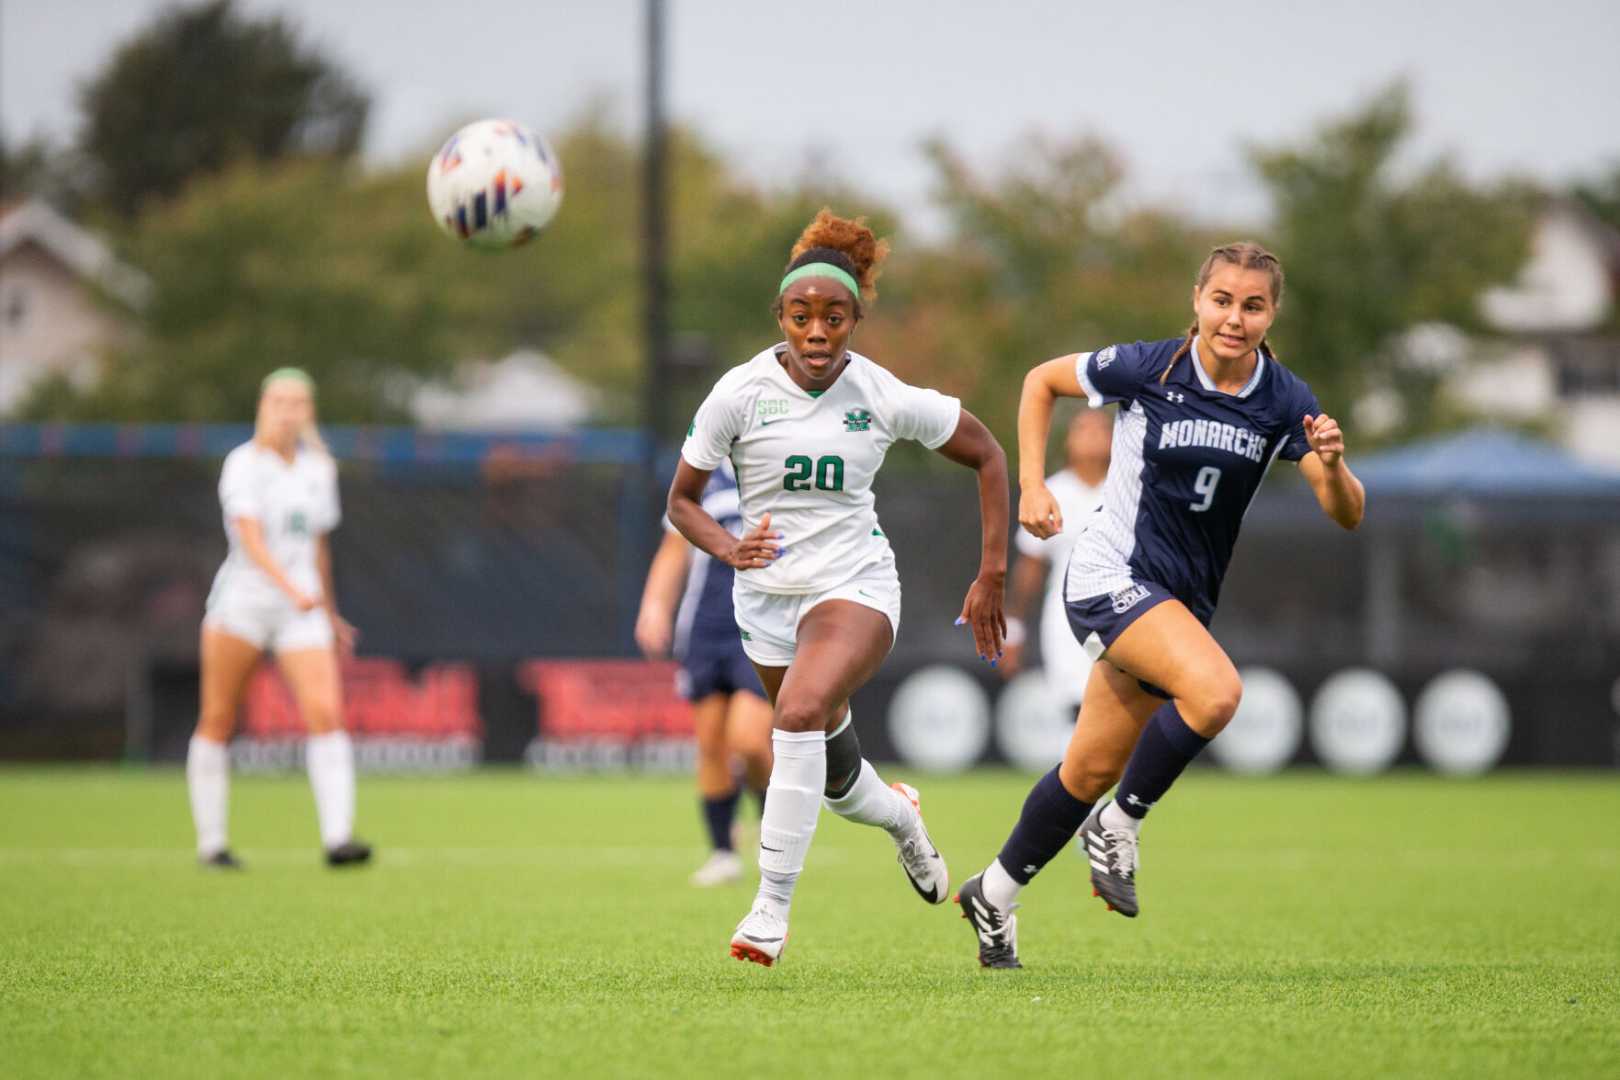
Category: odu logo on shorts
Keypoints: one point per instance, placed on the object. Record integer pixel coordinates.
(1125, 599)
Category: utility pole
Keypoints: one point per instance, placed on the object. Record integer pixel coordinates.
(641, 499)
(655, 228)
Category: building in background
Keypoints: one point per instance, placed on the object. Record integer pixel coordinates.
(65, 300)
(1556, 358)
(525, 391)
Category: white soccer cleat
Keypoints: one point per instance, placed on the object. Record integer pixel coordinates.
(760, 938)
(924, 865)
(720, 868)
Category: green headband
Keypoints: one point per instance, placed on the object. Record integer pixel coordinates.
(821, 269)
(295, 374)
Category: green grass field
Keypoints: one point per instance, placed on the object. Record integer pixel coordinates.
(1301, 926)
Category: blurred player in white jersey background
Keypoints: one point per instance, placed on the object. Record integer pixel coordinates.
(1042, 564)
(279, 497)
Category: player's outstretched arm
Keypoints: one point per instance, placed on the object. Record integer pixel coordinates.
(972, 445)
(655, 621)
(756, 548)
(1338, 491)
(1037, 510)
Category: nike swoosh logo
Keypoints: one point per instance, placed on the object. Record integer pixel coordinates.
(766, 423)
(778, 850)
(866, 594)
(761, 940)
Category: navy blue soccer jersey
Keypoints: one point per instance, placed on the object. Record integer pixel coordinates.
(1187, 461)
(706, 615)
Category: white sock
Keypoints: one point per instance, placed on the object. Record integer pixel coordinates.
(208, 779)
(998, 885)
(872, 802)
(330, 759)
(1112, 817)
(792, 805)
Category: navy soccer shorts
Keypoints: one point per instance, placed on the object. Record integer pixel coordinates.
(1097, 621)
(715, 665)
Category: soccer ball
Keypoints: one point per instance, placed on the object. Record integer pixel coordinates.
(494, 184)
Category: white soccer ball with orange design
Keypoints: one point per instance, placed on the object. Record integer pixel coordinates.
(494, 184)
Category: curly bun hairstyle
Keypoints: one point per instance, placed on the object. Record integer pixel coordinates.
(845, 243)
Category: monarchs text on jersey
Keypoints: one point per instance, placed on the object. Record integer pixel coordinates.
(809, 459)
(1187, 461)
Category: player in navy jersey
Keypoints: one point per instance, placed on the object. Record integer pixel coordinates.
(686, 611)
(1201, 419)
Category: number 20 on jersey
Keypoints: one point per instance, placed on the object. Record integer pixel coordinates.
(824, 473)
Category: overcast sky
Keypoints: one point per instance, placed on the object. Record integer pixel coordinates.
(1178, 87)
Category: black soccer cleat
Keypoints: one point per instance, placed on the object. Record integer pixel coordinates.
(220, 860)
(1112, 854)
(996, 930)
(349, 853)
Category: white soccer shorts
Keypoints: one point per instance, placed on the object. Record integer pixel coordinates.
(769, 622)
(271, 623)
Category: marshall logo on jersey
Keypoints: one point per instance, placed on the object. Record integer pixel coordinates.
(1125, 599)
(1106, 357)
(1214, 435)
(857, 420)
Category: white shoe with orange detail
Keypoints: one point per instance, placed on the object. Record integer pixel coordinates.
(924, 865)
(761, 937)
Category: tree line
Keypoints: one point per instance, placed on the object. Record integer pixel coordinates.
(219, 150)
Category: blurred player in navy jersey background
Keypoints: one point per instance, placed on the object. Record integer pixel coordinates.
(686, 612)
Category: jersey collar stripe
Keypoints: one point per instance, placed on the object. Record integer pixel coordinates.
(1209, 384)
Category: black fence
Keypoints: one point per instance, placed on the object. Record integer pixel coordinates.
(489, 554)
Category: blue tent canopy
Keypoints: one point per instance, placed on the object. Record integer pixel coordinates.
(1483, 461)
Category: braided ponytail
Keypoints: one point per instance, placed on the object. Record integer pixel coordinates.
(1186, 347)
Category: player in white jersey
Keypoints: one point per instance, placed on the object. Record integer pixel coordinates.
(806, 424)
(279, 497)
(1043, 564)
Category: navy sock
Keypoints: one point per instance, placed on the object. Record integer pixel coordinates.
(1048, 822)
(1166, 746)
(717, 815)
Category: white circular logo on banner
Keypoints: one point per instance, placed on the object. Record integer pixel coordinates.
(1358, 722)
(1461, 723)
(1032, 729)
(939, 719)
(1268, 728)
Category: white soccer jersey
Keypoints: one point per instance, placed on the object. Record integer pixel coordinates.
(809, 460)
(1078, 501)
(294, 503)
(1062, 656)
